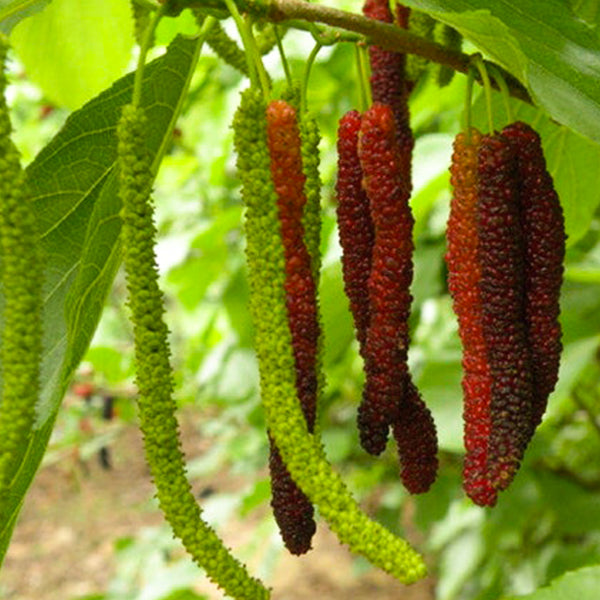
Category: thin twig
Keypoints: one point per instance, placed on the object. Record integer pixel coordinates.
(590, 485)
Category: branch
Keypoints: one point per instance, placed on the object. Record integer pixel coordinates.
(384, 35)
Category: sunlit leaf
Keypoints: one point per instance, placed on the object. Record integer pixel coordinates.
(73, 50)
(582, 584)
(553, 52)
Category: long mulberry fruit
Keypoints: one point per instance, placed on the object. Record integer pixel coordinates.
(464, 275)
(302, 452)
(388, 78)
(355, 226)
(389, 280)
(21, 276)
(390, 397)
(502, 288)
(494, 292)
(293, 511)
(544, 237)
(154, 378)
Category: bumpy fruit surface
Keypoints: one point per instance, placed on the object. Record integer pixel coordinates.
(390, 398)
(505, 251)
(388, 78)
(302, 451)
(502, 289)
(157, 407)
(464, 276)
(390, 277)
(544, 236)
(21, 274)
(355, 225)
(293, 511)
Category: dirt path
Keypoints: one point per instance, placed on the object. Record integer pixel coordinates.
(63, 546)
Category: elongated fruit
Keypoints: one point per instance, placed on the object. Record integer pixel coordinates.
(293, 511)
(505, 251)
(390, 398)
(355, 225)
(464, 276)
(302, 451)
(544, 238)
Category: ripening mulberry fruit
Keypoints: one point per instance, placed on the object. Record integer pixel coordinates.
(544, 238)
(377, 269)
(388, 78)
(390, 397)
(492, 250)
(390, 277)
(415, 435)
(502, 289)
(387, 68)
(302, 452)
(293, 511)
(354, 224)
(464, 276)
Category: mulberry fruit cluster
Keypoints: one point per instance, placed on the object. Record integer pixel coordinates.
(302, 452)
(375, 228)
(506, 245)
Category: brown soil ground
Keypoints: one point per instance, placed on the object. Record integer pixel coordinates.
(63, 546)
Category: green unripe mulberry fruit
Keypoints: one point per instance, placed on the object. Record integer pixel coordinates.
(22, 290)
(153, 370)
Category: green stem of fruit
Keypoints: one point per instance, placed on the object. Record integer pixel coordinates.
(146, 45)
(487, 88)
(307, 68)
(257, 73)
(363, 68)
(468, 101)
(497, 75)
(284, 61)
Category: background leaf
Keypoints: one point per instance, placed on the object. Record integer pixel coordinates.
(553, 52)
(582, 584)
(73, 50)
(74, 189)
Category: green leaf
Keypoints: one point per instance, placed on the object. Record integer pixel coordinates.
(73, 50)
(338, 327)
(554, 54)
(13, 11)
(582, 584)
(74, 190)
(440, 384)
(207, 262)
